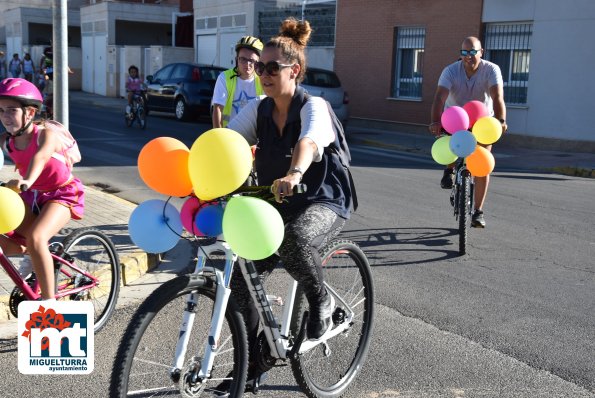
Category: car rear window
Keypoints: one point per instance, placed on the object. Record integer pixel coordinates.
(321, 79)
(210, 74)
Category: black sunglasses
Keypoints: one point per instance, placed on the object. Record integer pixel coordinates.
(473, 53)
(272, 68)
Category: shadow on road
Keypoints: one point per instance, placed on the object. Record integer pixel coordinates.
(390, 246)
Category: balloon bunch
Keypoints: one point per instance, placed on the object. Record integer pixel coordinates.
(460, 142)
(217, 164)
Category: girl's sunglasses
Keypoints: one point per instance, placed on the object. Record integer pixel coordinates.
(272, 68)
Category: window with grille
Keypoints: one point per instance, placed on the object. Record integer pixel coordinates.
(320, 13)
(409, 61)
(509, 46)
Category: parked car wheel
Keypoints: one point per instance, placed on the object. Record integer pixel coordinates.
(182, 110)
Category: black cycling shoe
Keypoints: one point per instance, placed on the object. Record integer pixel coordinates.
(477, 220)
(320, 319)
(252, 385)
(448, 179)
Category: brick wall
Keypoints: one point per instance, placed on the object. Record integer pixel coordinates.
(364, 52)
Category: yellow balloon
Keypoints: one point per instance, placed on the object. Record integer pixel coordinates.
(12, 210)
(219, 162)
(487, 130)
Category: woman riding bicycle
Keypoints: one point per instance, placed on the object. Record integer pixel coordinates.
(291, 150)
(53, 195)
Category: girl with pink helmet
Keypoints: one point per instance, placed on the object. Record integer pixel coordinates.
(52, 195)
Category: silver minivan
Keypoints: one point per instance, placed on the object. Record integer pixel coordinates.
(326, 84)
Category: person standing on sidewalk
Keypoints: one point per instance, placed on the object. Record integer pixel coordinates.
(236, 86)
(471, 78)
(3, 71)
(28, 68)
(14, 66)
(53, 195)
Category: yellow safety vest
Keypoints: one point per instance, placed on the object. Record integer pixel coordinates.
(230, 84)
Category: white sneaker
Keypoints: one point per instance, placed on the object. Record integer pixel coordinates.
(26, 266)
(127, 108)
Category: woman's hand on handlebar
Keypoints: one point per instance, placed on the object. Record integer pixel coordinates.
(436, 129)
(284, 187)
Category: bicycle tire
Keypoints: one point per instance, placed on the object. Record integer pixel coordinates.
(464, 210)
(95, 253)
(141, 117)
(150, 333)
(128, 120)
(347, 271)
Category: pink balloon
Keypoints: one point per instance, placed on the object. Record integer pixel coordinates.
(454, 119)
(188, 215)
(476, 110)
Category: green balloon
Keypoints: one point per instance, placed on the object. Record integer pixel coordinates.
(441, 151)
(252, 227)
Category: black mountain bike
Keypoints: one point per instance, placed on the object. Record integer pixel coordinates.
(461, 198)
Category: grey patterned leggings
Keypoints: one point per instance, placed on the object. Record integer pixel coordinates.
(305, 233)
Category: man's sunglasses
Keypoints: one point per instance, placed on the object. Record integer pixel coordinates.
(473, 53)
(272, 68)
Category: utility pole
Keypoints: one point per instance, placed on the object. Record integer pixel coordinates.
(60, 60)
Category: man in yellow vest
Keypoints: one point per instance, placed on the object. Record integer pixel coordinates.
(236, 86)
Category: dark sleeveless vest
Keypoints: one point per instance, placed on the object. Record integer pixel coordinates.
(327, 181)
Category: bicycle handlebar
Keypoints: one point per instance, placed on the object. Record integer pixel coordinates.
(266, 190)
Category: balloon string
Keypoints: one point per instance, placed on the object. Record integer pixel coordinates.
(166, 219)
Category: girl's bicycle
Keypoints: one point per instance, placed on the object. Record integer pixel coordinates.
(461, 198)
(210, 347)
(87, 268)
(137, 113)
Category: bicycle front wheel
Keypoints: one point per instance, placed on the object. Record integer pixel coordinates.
(142, 117)
(143, 364)
(328, 369)
(94, 253)
(464, 207)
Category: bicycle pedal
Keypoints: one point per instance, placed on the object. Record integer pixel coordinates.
(253, 385)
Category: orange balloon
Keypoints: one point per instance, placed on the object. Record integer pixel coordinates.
(481, 162)
(163, 166)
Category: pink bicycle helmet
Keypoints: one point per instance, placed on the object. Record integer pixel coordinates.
(21, 90)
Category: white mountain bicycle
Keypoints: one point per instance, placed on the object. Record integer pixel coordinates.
(211, 344)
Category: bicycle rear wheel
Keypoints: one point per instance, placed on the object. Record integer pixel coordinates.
(143, 364)
(93, 252)
(328, 369)
(464, 210)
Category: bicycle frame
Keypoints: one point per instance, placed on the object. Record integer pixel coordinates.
(31, 292)
(277, 335)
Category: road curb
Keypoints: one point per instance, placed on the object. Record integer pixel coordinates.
(133, 266)
(574, 171)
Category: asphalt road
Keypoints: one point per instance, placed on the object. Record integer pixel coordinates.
(513, 318)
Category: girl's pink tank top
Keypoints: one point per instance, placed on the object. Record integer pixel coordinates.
(55, 173)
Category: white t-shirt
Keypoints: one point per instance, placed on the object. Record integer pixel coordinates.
(245, 91)
(477, 88)
(316, 123)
